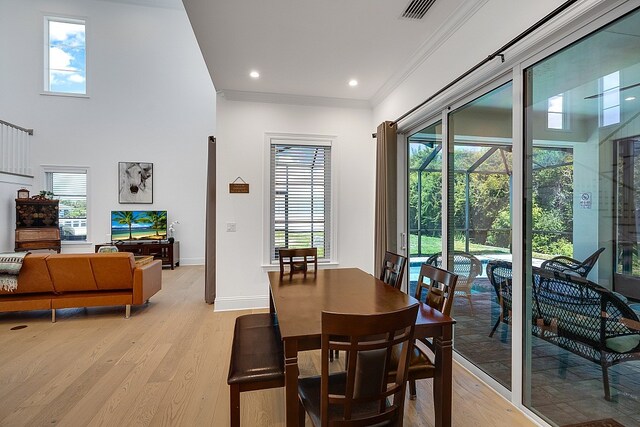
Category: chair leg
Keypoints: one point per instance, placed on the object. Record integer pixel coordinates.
(412, 389)
(234, 406)
(494, 328)
(470, 303)
(605, 378)
(301, 413)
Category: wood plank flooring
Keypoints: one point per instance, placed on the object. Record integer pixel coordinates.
(166, 366)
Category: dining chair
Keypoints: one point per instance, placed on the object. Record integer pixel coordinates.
(361, 394)
(393, 269)
(297, 260)
(440, 286)
(467, 267)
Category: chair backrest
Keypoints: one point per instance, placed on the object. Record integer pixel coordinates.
(107, 249)
(568, 265)
(297, 260)
(368, 341)
(440, 285)
(393, 269)
(465, 265)
(500, 275)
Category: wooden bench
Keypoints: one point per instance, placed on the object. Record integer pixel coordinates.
(257, 358)
(575, 314)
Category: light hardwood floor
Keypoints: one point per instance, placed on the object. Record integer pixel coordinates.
(166, 365)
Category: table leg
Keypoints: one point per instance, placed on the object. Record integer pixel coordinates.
(442, 383)
(272, 308)
(291, 382)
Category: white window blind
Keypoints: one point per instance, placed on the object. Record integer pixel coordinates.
(301, 198)
(71, 189)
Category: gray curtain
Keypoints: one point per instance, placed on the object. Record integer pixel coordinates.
(386, 188)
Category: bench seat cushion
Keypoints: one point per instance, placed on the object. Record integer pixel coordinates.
(257, 353)
(623, 344)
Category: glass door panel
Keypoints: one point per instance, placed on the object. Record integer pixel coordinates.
(582, 118)
(480, 168)
(425, 198)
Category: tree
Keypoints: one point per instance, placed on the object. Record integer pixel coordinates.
(157, 219)
(125, 218)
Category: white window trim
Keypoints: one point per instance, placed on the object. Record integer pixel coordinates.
(298, 139)
(73, 169)
(45, 57)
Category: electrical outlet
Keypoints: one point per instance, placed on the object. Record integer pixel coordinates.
(231, 227)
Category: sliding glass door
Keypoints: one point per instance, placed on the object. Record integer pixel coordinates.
(479, 218)
(582, 274)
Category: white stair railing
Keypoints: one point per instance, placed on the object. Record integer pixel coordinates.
(15, 149)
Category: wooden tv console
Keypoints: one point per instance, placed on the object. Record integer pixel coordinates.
(169, 253)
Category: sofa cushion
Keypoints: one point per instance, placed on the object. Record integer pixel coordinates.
(71, 272)
(113, 270)
(34, 276)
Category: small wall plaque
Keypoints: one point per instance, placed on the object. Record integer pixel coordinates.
(236, 187)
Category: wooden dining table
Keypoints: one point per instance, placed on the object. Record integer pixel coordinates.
(300, 299)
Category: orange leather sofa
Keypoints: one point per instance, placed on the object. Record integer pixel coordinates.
(52, 281)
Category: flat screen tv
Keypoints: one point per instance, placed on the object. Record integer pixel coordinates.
(138, 225)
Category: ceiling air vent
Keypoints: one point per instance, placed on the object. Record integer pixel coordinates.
(416, 9)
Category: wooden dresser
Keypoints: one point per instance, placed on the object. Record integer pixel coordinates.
(37, 224)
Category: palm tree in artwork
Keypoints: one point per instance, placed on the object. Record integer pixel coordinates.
(125, 218)
(157, 219)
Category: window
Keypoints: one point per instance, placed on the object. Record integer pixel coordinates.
(610, 100)
(556, 116)
(300, 197)
(65, 56)
(70, 187)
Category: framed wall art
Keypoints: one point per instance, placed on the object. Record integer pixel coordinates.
(135, 182)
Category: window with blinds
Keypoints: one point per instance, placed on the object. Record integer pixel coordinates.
(71, 189)
(301, 198)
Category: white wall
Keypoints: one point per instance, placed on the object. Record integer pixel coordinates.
(493, 25)
(150, 99)
(241, 281)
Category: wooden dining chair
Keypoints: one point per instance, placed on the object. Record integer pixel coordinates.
(467, 267)
(440, 286)
(393, 269)
(297, 260)
(360, 395)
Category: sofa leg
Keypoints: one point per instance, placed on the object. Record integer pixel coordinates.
(53, 315)
(127, 311)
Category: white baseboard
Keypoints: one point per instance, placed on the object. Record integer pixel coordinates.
(191, 261)
(241, 303)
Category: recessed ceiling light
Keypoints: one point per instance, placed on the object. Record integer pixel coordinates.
(254, 74)
(353, 82)
(630, 98)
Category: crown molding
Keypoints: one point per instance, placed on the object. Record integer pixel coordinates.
(449, 26)
(164, 4)
(283, 98)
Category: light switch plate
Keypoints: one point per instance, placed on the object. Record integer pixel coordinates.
(231, 227)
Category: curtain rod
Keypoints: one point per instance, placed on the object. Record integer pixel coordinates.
(489, 58)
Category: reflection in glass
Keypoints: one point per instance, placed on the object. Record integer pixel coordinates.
(480, 164)
(582, 279)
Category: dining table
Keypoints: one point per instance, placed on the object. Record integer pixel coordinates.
(298, 301)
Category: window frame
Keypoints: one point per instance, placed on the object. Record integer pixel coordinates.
(72, 169)
(298, 139)
(46, 89)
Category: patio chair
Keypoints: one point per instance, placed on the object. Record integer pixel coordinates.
(466, 266)
(567, 265)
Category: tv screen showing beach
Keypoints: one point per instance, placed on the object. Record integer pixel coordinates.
(138, 225)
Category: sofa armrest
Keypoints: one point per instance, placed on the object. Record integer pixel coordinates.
(147, 280)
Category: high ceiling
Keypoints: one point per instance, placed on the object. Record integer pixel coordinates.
(313, 48)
